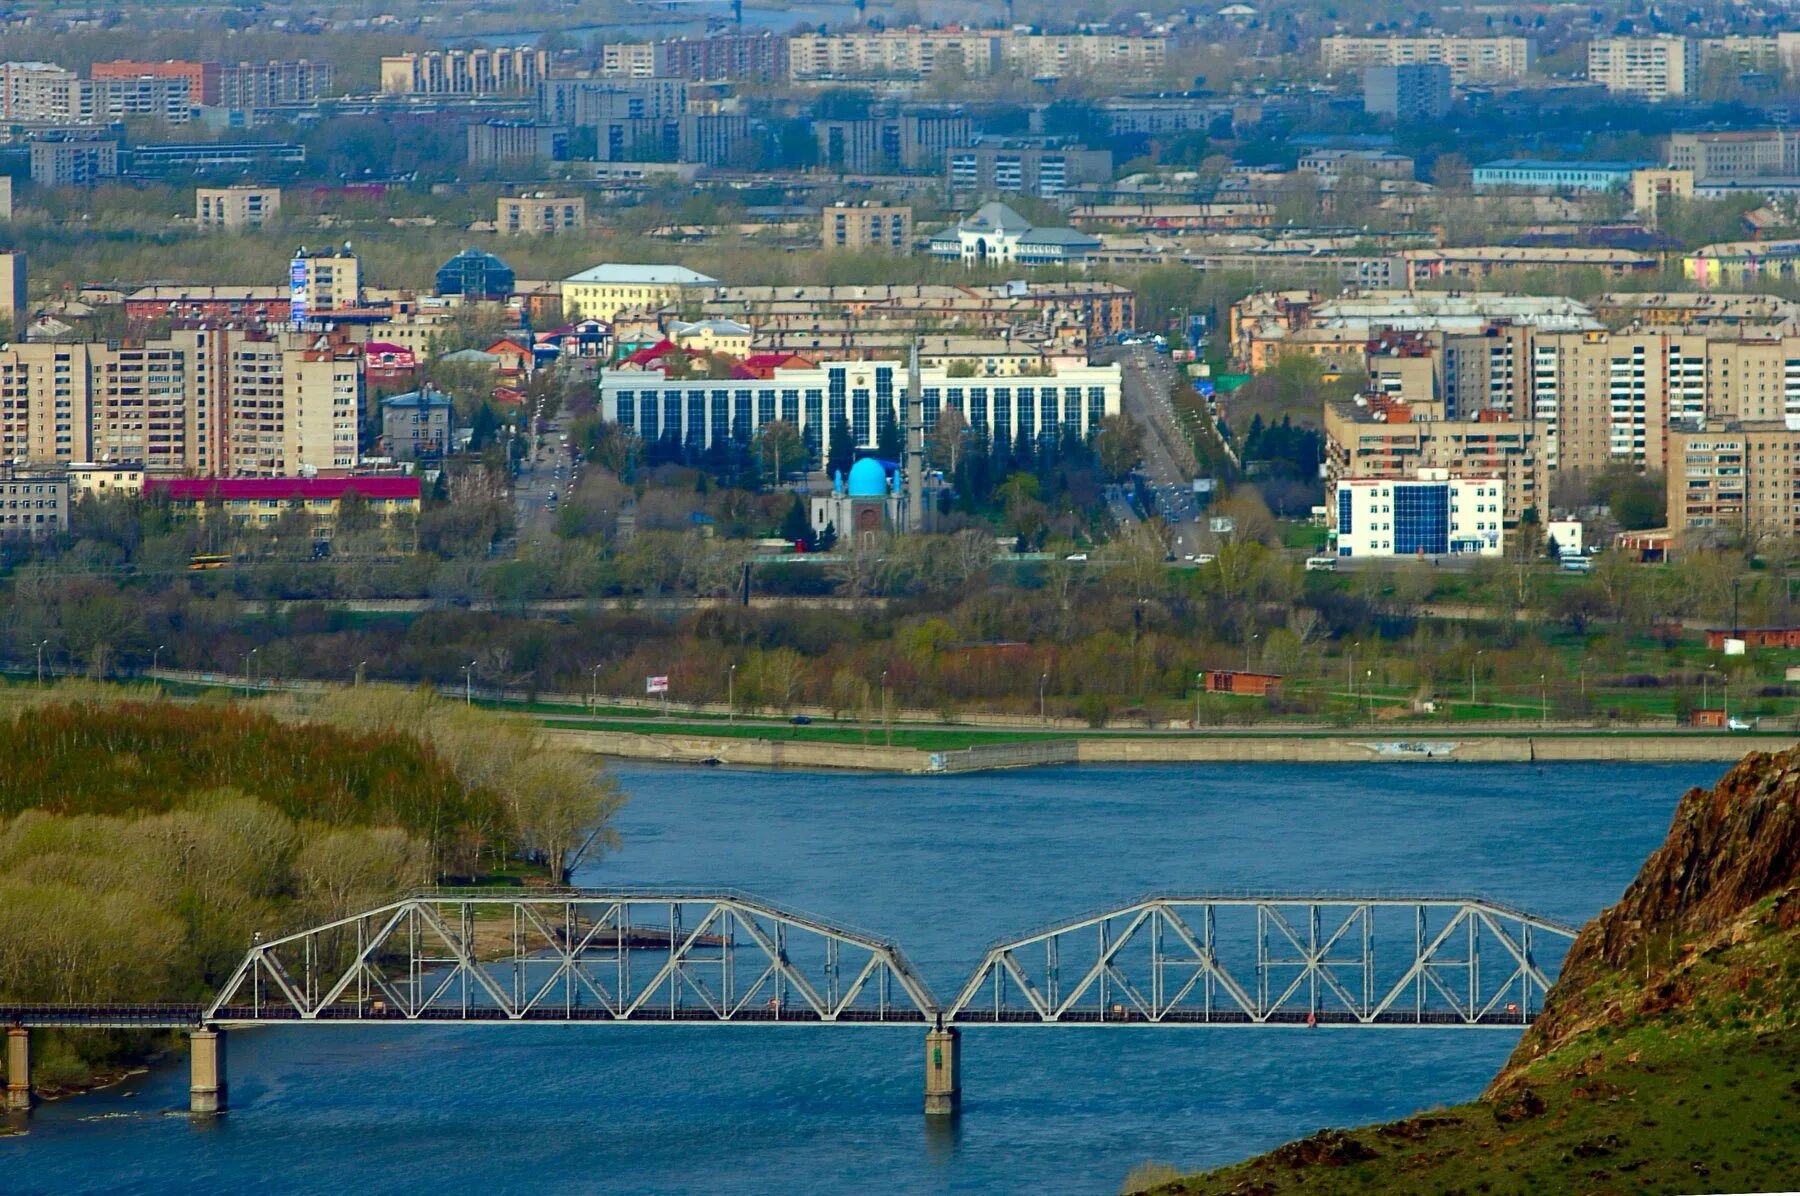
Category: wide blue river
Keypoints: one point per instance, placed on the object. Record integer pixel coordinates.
(944, 865)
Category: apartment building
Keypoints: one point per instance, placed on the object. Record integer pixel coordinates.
(244, 86)
(1664, 67)
(1736, 154)
(15, 303)
(322, 281)
(1408, 92)
(73, 163)
(393, 502)
(478, 71)
(44, 91)
(1380, 440)
(1742, 264)
(860, 393)
(1739, 478)
(33, 505)
(504, 142)
(921, 53)
(235, 208)
(1470, 59)
(235, 86)
(1044, 56)
(1005, 169)
(290, 408)
(1478, 262)
(883, 144)
(581, 102)
(867, 226)
(540, 213)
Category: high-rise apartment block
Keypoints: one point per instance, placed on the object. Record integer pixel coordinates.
(237, 86)
(1665, 67)
(480, 71)
(1470, 59)
(209, 402)
(14, 301)
(1416, 91)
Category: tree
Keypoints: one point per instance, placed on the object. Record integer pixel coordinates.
(841, 450)
(1119, 445)
(948, 443)
(796, 528)
(562, 808)
(778, 449)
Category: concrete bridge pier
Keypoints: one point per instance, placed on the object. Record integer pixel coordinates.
(18, 1070)
(943, 1071)
(206, 1060)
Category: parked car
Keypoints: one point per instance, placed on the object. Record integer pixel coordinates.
(800, 720)
(1076, 556)
(1736, 724)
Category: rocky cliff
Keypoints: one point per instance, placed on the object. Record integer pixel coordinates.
(1668, 1054)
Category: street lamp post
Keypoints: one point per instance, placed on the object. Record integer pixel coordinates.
(360, 666)
(1043, 678)
(1350, 668)
(1472, 661)
(731, 694)
(1247, 646)
(1543, 701)
(468, 672)
(40, 659)
(1369, 692)
(886, 721)
(153, 656)
(594, 686)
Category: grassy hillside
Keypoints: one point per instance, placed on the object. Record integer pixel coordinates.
(1668, 1056)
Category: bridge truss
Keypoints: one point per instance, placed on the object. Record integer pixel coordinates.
(1270, 961)
(612, 956)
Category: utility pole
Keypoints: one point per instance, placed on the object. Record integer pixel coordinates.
(913, 416)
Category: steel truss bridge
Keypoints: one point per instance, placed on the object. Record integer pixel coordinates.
(719, 957)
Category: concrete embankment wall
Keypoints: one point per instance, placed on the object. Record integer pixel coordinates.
(755, 753)
(1271, 749)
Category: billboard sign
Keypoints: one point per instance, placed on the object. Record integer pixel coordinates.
(297, 290)
(656, 685)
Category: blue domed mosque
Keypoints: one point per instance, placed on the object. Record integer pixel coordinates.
(867, 503)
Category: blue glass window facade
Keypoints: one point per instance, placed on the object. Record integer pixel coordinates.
(1421, 519)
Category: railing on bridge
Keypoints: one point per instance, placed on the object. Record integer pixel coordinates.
(1270, 961)
(615, 956)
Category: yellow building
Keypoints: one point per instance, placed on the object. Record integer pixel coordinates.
(1651, 189)
(325, 280)
(601, 292)
(725, 337)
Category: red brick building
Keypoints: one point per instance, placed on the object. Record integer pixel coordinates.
(1231, 681)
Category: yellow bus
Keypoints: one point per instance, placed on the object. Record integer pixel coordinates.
(208, 561)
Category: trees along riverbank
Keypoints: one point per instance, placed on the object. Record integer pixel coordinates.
(144, 843)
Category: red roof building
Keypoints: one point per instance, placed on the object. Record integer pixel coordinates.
(262, 502)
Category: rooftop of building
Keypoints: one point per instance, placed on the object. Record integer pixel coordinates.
(1546, 164)
(230, 489)
(634, 274)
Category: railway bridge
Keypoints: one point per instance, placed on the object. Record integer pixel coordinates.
(714, 957)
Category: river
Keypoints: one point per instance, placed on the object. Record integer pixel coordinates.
(944, 865)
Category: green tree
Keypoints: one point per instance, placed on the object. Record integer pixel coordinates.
(840, 452)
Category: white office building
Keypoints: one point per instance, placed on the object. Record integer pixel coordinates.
(700, 414)
(1431, 514)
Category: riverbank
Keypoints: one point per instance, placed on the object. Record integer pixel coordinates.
(689, 747)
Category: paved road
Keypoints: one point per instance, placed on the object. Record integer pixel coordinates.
(545, 476)
(1147, 376)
